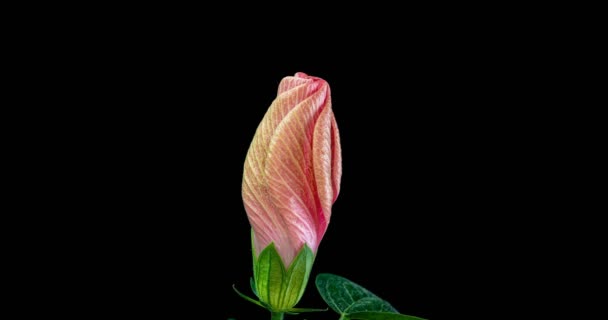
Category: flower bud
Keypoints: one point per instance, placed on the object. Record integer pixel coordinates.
(291, 180)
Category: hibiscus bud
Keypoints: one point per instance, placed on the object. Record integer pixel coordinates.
(291, 180)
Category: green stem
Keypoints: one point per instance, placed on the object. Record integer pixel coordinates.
(276, 315)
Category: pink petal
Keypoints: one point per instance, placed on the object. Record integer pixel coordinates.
(336, 158)
(293, 168)
(291, 178)
(322, 164)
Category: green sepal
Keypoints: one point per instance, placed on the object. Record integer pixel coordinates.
(278, 287)
(255, 259)
(252, 285)
(269, 275)
(292, 311)
(297, 276)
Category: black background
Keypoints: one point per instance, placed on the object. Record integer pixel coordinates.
(417, 167)
(165, 116)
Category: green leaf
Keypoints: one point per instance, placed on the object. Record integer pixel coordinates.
(301, 310)
(371, 304)
(370, 315)
(354, 302)
(341, 294)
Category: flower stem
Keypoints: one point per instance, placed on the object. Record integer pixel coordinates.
(276, 315)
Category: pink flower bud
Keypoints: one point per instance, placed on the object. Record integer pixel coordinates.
(293, 168)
